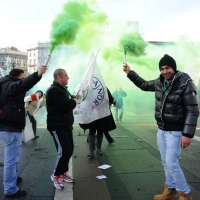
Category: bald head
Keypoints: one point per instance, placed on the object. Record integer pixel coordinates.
(58, 72)
(61, 76)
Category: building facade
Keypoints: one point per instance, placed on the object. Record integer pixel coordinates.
(39, 52)
(11, 57)
(37, 55)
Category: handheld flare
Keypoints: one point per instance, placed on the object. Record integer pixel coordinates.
(47, 61)
(124, 60)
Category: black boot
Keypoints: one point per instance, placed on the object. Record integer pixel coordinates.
(109, 138)
(91, 139)
(98, 144)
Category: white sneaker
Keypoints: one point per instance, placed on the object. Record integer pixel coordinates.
(52, 177)
(57, 181)
(67, 178)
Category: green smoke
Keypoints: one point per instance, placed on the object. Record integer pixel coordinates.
(78, 23)
(133, 44)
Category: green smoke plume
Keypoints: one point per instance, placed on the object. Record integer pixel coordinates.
(76, 22)
(133, 44)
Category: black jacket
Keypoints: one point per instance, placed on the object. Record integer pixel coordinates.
(12, 92)
(59, 108)
(177, 108)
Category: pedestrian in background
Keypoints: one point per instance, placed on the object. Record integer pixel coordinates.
(118, 95)
(176, 113)
(13, 88)
(59, 123)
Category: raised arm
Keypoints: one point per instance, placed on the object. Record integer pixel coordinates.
(138, 81)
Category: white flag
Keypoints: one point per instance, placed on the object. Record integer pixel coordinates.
(93, 102)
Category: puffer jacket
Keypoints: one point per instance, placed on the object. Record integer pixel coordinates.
(59, 108)
(176, 108)
(12, 92)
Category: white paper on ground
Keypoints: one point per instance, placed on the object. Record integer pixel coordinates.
(104, 166)
(101, 177)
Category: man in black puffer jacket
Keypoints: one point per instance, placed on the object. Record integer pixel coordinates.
(176, 113)
(12, 121)
(60, 119)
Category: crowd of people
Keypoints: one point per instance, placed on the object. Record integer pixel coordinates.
(176, 113)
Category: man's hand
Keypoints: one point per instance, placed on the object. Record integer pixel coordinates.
(75, 99)
(185, 142)
(42, 70)
(126, 68)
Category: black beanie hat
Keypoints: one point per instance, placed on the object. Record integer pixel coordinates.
(169, 61)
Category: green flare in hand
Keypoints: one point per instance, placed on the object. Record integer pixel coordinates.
(133, 44)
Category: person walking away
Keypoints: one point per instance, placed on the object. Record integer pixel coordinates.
(59, 123)
(176, 113)
(110, 119)
(12, 122)
(32, 107)
(118, 95)
(99, 126)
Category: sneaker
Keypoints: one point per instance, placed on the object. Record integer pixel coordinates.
(58, 182)
(67, 178)
(120, 121)
(53, 177)
(19, 193)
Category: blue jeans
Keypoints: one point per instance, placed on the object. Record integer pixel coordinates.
(169, 146)
(12, 152)
(121, 111)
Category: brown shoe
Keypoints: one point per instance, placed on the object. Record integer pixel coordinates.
(184, 196)
(168, 194)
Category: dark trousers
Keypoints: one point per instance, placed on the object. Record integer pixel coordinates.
(34, 123)
(65, 146)
(108, 137)
(95, 127)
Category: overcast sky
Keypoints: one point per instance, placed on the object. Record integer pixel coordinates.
(24, 22)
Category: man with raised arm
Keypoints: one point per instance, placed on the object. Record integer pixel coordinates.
(176, 113)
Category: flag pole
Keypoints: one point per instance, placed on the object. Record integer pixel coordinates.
(88, 71)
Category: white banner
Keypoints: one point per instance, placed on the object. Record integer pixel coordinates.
(93, 102)
(4, 72)
(28, 131)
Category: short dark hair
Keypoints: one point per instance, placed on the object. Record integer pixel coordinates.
(39, 91)
(16, 72)
(57, 72)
